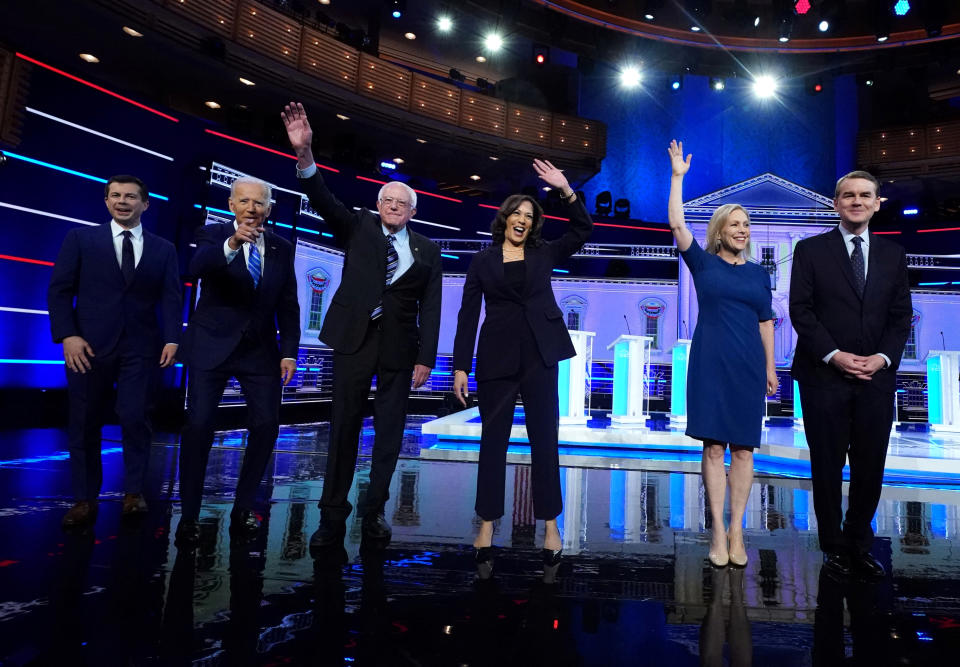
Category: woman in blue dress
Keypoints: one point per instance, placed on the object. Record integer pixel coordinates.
(731, 357)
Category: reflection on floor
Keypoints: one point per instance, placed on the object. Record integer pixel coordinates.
(634, 588)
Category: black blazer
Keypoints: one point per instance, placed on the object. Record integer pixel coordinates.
(411, 305)
(88, 297)
(497, 352)
(828, 314)
(230, 308)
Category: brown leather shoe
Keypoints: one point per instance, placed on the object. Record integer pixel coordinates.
(83, 513)
(133, 503)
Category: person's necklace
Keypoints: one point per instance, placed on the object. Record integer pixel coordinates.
(513, 253)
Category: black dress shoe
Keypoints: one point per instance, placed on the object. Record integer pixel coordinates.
(188, 534)
(866, 566)
(244, 523)
(551, 564)
(483, 557)
(375, 527)
(329, 534)
(837, 564)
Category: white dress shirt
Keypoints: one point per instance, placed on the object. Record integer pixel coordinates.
(230, 253)
(136, 238)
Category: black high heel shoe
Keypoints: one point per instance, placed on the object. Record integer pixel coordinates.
(483, 557)
(551, 564)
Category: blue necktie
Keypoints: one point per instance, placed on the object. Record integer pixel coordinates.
(393, 259)
(856, 259)
(254, 264)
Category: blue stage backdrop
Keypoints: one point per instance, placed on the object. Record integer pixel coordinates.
(807, 139)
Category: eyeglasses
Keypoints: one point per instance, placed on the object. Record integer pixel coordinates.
(390, 201)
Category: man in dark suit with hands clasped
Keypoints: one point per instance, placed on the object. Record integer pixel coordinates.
(383, 320)
(850, 305)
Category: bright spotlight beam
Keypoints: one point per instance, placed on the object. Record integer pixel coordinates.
(444, 24)
(630, 77)
(493, 42)
(764, 86)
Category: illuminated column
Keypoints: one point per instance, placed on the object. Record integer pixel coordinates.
(678, 383)
(574, 380)
(631, 372)
(943, 391)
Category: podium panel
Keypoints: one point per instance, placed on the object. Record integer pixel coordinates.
(573, 382)
(943, 390)
(678, 382)
(631, 373)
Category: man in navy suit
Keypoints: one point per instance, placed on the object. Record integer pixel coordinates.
(107, 285)
(248, 292)
(850, 305)
(384, 320)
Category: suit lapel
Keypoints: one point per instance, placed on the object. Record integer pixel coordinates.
(839, 248)
(874, 264)
(149, 249)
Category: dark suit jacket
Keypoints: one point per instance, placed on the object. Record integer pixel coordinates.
(498, 355)
(230, 308)
(411, 305)
(88, 297)
(828, 314)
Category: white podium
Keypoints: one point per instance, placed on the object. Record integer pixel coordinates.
(631, 373)
(678, 382)
(573, 382)
(943, 391)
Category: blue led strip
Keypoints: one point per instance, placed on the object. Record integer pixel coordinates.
(443, 254)
(72, 172)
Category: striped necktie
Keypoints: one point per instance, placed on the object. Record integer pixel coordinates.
(253, 264)
(859, 268)
(393, 259)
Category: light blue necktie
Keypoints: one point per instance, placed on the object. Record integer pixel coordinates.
(254, 264)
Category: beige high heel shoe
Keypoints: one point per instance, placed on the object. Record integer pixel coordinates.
(720, 559)
(736, 560)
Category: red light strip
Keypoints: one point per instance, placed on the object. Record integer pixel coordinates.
(96, 87)
(265, 148)
(495, 208)
(421, 192)
(26, 260)
(888, 233)
(941, 229)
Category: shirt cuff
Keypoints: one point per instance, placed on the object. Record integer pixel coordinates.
(288, 359)
(308, 172)
(229, 252)
(885, 358)
(827, 358)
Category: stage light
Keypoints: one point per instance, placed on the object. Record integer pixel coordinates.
(398, 160)
(444, 24)
(481, 59)
(764, 86)
(911, 211)
(756, 21)
(421, 141)
(456, 75)
(676, 82)
(824, 25)
(883, 37)
(247, 82)
(130, 31)
(802, 7)
(474, 177)
(785, 28)
(902, 7)
(493, 42)
(342, 117)
(814, 86)
(695, 28)
(630, 77)
(541, 54)
(649, 17)
(212, 104)
(716, 83)
(397, 8)
(89, 57)
(389, 166)
(410, 35)
(651, 9)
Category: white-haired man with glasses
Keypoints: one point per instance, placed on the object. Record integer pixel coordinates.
(383, 320)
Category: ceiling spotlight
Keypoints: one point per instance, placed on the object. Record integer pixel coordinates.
(130, 31)
(801, 7)
(649, 17)
(444, 24)
(824, 25)
(695, 28)
(212, 104)
(902, 7)
(475, 177)
(409, 35)
(756, 21)
(493, 42)
(764, 86)
(342, 117)
(676, 82)
(324, 2)
(397, 8)
(421, 141)
(398, 160)
(481, 59)
(630, 77)
(868, 82)
(785, 28)
(247, 82)
(494, 158)
(716, 83)
(89, 57)
(882, 38)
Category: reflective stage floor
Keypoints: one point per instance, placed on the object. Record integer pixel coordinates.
(634, 588)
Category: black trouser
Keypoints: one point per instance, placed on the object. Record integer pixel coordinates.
(352, 375)
(259, 377)
(537, 385)
(852, 420)
(134, 375)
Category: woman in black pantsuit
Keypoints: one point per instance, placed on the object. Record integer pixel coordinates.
(523, 338)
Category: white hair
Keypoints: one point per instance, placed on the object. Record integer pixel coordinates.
(410, 192)
(250, 180)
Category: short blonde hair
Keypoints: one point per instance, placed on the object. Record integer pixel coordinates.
(717, 222)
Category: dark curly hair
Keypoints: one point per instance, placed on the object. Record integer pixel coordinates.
(498, 227)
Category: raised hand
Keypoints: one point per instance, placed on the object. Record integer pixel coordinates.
(298, 128)
(551, 175)
(677, 163)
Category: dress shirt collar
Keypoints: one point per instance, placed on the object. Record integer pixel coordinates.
(117, 230)
(401, 237)
(848, 236)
